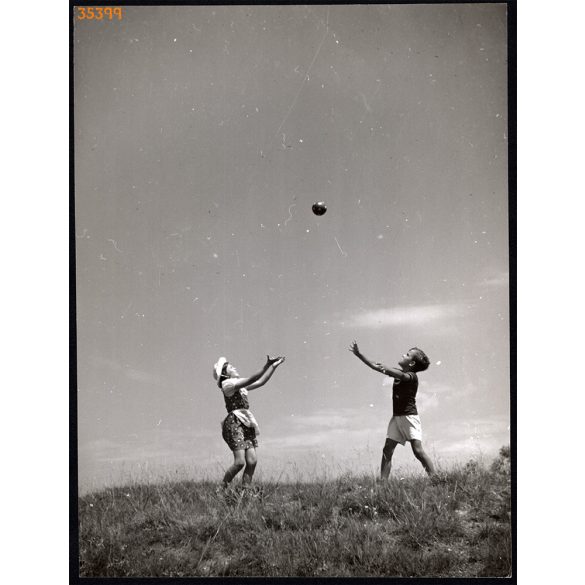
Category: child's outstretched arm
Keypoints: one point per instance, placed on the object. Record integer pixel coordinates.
(246, 382)
(374, 365)
(394, 372)
(267, 374)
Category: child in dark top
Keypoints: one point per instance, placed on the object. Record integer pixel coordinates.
(405, 423)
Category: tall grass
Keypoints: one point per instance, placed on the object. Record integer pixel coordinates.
(350, 526)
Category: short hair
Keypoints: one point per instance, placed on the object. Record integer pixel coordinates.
(421, 361)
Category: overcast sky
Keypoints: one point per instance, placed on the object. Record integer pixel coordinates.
(202, 137)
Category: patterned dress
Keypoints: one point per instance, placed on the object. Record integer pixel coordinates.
(234, 432)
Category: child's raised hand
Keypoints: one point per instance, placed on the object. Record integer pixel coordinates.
(275, 361)
(354, 348)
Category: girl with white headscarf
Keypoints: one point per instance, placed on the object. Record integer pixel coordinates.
(239, 428)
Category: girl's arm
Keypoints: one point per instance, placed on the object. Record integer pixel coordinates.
(246, 382)
(393, 372)
(267, 374)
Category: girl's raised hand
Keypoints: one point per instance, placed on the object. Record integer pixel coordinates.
(354, 348)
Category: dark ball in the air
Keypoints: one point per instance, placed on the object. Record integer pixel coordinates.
(319, 208)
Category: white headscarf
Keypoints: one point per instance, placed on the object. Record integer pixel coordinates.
(217, 368)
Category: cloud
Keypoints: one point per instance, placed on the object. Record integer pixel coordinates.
(326, 428)
(443, 391)
(323, 439)
(143, 376)
(427, 402)
(502, 279)
(406, 316)
(149, 444)
(480, 435)
(324, 419)
(131, 373)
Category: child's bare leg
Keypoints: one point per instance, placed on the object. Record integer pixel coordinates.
(251, 460)
(236, 467)
(420, 454)
(387, 453)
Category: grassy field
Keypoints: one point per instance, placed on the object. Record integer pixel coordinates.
(458, 526)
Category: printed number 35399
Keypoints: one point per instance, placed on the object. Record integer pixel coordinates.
(99, 12)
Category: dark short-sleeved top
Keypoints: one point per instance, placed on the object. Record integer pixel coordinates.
(404, 395)
(236, 401)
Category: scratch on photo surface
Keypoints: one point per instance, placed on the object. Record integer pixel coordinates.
(290, 215)
(212, 306)
(115, 244)
(240, 321)
(366, 105)
(306, 76)
(344, 253)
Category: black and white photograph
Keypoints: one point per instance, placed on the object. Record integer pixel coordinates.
(294, 285)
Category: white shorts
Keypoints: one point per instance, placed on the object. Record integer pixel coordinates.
(404, 428)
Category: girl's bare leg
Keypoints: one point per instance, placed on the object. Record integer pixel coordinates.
(251, 461)
(236, 467)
